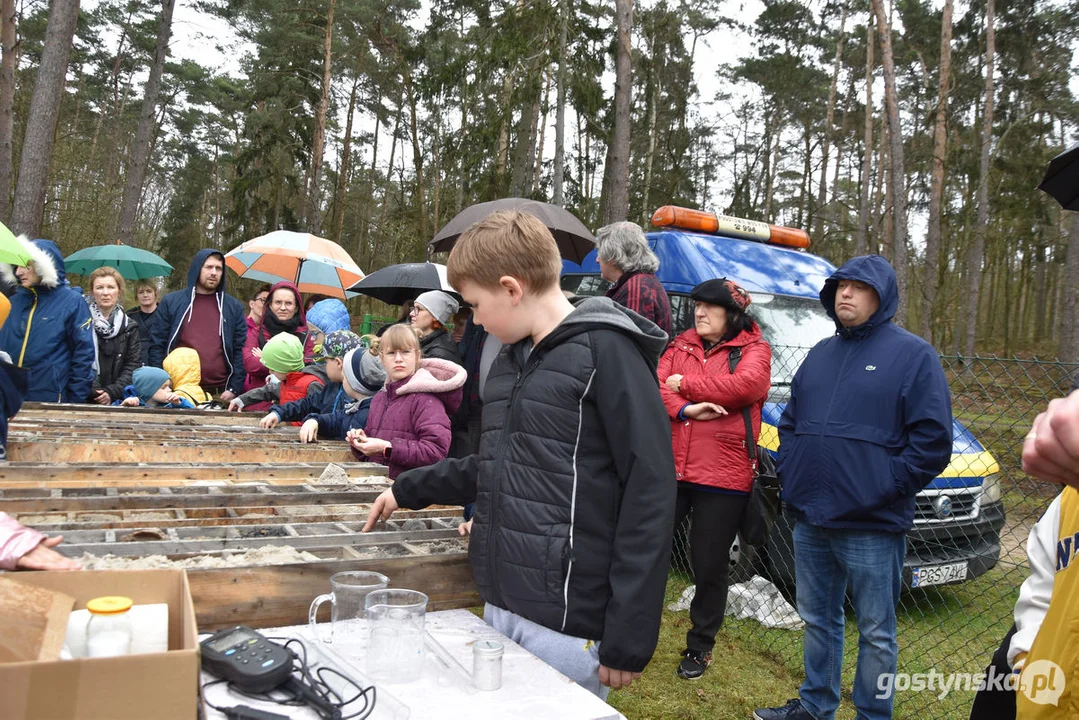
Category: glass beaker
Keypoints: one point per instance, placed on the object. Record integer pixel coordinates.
(396, 619)
(348, 593)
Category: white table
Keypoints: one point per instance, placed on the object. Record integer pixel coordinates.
(530, 687)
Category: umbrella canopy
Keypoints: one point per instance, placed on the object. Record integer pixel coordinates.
(573, 238)
(397, 284)
(11, 250)
(132, 263)
(314, 264)
(1062, 179)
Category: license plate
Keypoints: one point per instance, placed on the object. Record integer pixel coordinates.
(939, 574)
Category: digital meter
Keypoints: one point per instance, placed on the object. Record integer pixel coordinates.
(247, 659)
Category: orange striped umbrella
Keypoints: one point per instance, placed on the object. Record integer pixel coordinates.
(314, 264)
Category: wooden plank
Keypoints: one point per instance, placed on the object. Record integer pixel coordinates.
(152, 502)
(16, 474)
(43, 410)
(278, 595)
(133, 451)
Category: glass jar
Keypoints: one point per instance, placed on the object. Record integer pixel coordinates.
(487, 664)
(108, 633)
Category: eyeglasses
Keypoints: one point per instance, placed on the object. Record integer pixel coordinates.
(405, 353)
(260, 300)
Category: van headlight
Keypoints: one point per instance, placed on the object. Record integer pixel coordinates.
(990, 489)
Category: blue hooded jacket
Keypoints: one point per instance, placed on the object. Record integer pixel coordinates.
(49, 331)
(869, 421)
(174, 307)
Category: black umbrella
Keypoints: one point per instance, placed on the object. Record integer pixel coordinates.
(574, 240)
(397, 284)
(1062, 179)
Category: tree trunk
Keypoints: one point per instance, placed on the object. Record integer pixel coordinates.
(342, 176)
(653, 101)
(140, 153)
(1069, 350)
(41, 120)
(319, 141)
(826, 143)
(616, 200)
(538, 150)
(936, 191)
(7, 103)
(899, 177)
(417, 154)
(977, 250)
(557, 192)
(503, 155)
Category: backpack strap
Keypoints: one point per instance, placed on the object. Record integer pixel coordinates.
(751, 445)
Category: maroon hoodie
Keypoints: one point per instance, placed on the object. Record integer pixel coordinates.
(258, 335)
(414, 415)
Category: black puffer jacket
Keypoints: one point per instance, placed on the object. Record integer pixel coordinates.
(574, 483)
(440, 345)
(118, 357)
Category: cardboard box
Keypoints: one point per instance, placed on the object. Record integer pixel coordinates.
(162, 686)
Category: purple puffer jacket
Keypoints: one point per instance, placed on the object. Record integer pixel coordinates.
(414, 415)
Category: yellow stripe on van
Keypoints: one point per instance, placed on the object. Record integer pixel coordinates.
(964, 465)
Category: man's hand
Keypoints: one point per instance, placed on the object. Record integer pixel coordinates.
(235, 405)
(674, 383)
(1051, 448)
(102, 398)
(309, 431)
(269, 421)
(384, 506)
(43, 557)
(615, 679)
(227, 396)
(704, 411)
(465, 528)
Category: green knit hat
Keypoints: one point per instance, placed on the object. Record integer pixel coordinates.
(283, 353)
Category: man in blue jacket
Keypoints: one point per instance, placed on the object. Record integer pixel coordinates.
(49, 331)
(205, 318)
(867, 426)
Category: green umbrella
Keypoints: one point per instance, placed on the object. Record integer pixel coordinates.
(11, 250)
(133, 263)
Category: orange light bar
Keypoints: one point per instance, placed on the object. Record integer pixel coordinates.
(701, 221)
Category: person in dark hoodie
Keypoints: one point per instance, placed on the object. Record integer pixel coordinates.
(49, 331)
(282, 312)
(868, 425)
(574, 482)
(205, 318)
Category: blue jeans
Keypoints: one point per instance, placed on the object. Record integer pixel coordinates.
(826, 562)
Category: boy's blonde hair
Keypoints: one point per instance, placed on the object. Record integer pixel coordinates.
(507, 242)
(106, 271)
(396, 337)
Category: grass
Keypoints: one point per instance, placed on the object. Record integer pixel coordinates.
(951, 629)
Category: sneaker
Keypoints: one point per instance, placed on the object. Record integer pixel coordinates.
(793, 710)
(693, 664)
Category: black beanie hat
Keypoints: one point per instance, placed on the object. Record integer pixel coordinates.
(723, 292)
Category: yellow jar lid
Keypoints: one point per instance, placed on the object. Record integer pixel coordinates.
(109, 605)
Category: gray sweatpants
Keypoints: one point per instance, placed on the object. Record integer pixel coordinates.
(574, 657)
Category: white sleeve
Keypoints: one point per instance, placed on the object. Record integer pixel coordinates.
(1037, 590)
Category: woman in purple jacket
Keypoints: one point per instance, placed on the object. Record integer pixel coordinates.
(408, 425)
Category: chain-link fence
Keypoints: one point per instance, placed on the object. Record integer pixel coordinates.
(966, 555)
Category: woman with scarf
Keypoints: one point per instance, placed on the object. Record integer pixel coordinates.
(117, 344)
(283, 312)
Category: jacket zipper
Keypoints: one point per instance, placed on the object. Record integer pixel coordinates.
(831, 398)
(29, 322)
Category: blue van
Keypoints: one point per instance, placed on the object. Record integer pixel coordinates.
(958, 517)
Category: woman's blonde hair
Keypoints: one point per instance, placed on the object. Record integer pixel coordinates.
(106, 271)
(396, 337)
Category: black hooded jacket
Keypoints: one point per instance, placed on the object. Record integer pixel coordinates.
(574, 483)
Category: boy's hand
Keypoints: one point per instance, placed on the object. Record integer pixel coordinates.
(308, 431)
(384, 506)
(269, 421)
(674, 383)
(704, 411)
(465, 528)
(43, 557)
(615, 679)
(131, 402)
(236, 405)
(172, 398)
(1051, 448)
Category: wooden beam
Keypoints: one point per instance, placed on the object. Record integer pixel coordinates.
(15, 474)
(251, 499)
(59, 449)
(129, 414)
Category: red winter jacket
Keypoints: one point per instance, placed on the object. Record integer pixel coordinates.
(713, 452)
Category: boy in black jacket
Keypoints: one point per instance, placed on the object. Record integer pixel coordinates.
(574, 482)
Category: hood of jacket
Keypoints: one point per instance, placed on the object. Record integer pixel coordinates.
(875, 272)
(291, 287)
(319, 371)
(437, 377)
(196, 267)
(592, 313)
(48, 262)
(183, 367)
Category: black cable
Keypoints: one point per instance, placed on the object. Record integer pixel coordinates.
(308, 689)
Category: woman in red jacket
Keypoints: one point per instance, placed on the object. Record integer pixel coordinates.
(715, 475)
